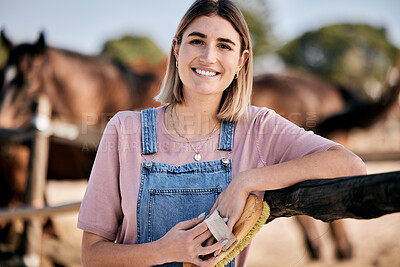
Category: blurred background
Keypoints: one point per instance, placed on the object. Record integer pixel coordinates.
(329, 66)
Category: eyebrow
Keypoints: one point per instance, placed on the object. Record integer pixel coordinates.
(220, 39)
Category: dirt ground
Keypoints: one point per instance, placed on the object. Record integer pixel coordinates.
(375, 242)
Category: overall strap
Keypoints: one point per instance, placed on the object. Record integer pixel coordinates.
(149, 131)
(226, 136)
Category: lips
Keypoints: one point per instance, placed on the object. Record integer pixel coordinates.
(206, 72)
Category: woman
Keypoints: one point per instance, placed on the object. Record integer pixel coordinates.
(208, 149)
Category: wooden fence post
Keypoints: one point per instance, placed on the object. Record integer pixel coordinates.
(37, 180)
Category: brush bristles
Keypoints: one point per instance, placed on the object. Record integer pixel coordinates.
(246, 240)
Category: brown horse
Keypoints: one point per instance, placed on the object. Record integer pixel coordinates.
(77, 86)
(315, 104)
(84, 90)
(305, 100)
(331, 111)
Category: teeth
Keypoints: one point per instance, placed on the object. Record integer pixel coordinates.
(206, 73)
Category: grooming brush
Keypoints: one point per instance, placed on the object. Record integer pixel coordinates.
(254, 216)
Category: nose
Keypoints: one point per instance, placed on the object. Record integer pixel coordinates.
(208, 55)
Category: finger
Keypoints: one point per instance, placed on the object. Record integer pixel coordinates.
(216, 253)
(231, 223)
(210, 241)
(202, 237)
(184, 225)
(204, 263)
(198, 230)
(211, 249)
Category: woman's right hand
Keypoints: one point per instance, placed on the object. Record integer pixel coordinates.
(183, 243)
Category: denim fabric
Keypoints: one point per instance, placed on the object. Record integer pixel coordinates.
(171, 194)
(226, 139)
(149, 132)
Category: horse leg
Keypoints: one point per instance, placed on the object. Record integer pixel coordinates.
(342, 244)
(14, 161)
(311, 235)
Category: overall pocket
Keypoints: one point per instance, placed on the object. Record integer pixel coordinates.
(167, 207)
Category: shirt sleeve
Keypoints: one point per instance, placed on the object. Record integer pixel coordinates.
(100, 211)
(281, 140)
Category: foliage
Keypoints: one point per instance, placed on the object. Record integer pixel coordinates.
(258, 32)
(129, 49)
(256, 14)
(3, 55)
(355, 56)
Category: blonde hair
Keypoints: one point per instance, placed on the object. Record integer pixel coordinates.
(236, 98)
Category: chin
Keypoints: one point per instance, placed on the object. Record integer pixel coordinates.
(209, 92)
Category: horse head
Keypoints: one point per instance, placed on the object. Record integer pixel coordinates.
(21, 81)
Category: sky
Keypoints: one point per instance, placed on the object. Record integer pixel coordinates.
(84, 26)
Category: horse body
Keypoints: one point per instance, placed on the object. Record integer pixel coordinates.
(300, 97)
(84, 90)
(80, 88)
(317, 105)
(306, 101)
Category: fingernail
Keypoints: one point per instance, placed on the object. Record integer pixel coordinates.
(201, 215)
(216, 253)
(224, 242)
(225, 220)
(216, 258)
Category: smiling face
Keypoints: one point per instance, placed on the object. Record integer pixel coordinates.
(209, 56)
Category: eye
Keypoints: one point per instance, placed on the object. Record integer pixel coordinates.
(196, 42)
(224, 46)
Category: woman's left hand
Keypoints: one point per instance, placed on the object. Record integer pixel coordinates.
(230, 203)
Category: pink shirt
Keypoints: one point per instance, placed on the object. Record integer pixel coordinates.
(109, 205)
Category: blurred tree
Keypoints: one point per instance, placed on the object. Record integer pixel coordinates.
(133, 49)
(355, 56)
(3, 55)
(256, 13)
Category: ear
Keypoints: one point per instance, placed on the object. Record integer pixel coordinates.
(243, 58)
(40, 45)
(175, 47)
(4, 40)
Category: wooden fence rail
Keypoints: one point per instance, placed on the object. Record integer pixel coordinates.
(28, 212)
(67, 133)
(358, 197)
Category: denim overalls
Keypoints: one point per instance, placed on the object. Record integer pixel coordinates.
(171, 194)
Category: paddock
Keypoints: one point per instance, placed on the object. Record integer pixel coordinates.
(64, 197)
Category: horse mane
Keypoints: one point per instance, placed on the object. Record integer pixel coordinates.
(136, 81)
(291, 80)
(120, 87)
(74, 54)
(359, 113)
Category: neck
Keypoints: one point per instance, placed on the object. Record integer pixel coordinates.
(193, 118)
